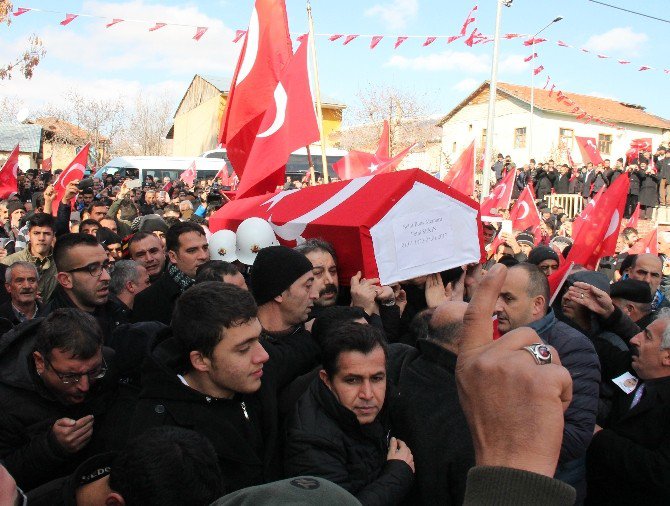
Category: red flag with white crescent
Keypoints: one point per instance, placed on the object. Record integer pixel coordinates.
(287, 126)
(589, 149)
(524, 213)
(500, 196)
(9, 174)
(189, 175)
(646, 244)
(222, 175)
(599, 231)
(73, 171)
(634, 218)
(265, 53)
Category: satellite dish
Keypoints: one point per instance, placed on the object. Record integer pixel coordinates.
(22, 115)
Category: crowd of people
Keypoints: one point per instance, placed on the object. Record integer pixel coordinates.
(146, 360)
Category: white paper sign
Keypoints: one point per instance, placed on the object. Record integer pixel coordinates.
(626, 382)
(419, 235)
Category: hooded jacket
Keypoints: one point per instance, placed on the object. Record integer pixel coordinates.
(325, 439)
(244, 429)
(28, 410)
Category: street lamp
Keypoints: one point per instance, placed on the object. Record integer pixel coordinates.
(532, 87)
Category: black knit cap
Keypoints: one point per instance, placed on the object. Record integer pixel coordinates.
(275, 269)
(633, 290)
(540, 254)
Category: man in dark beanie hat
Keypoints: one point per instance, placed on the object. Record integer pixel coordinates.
(633, 297)
(545, 258)
(284, 288)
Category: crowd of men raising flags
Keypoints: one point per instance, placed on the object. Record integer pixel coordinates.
(146, 360)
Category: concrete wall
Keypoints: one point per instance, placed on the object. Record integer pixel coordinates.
(61, 154)
(197, 130)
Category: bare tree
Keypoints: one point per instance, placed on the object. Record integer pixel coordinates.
(408, 113)
(26, 62)
(9, 108)
(145, 130)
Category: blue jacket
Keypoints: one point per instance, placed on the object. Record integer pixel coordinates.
(579, 357)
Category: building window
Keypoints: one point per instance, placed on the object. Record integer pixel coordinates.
(483, 143)
(453, 147)
(566, 137)
(520, 137)
(605, 144)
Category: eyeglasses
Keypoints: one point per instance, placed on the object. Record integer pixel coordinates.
(70, 378)
(95, 269)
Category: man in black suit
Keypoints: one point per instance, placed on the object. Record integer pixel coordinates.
(187, 249)
(562, 182)
(628, 461)
(589, 177)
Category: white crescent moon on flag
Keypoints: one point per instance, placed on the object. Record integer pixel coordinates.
(281, 101)
(251, 49)
(525, 208)
(15, 170)
(293, 229)
(501, 190)
(614, 224)
(63, 176)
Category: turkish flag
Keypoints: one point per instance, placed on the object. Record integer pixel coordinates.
(73, 171)
(646, 244)
(599, 231)
(524, 213)
(461, 175)
(189, 175)
(637, 146)
(222, 175)
(287, 126)
(359, 163)
(499, 197)
(589, 149)
(9, 174)
(468, 20)
(634, 218)
(47, 164)
(265, 53)
(557, 278)
(581, 217)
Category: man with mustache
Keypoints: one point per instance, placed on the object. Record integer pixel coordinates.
(83, 280)
(21, 282)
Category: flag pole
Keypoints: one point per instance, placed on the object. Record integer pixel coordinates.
(312, 175)
(319, 110)
(474, 166)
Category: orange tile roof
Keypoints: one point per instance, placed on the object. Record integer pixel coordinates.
(64, 128)
(603, 108)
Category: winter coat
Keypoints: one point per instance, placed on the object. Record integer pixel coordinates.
(587, 179)
(579, 357)
(649, 190)
(28, 410)
(635, 182)
(562, 184)
(427, 415)
(243, 430)
(157, 302)
(599, 181)
(544, 182)
(324, 439)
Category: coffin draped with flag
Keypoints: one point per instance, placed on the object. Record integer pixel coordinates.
(393, 226)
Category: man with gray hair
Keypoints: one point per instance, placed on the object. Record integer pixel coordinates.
(21, 282)
(127, 280)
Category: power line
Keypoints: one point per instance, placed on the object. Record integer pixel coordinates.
(631, 12)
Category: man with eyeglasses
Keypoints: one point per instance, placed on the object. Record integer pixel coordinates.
(83, 280)
(55, 396)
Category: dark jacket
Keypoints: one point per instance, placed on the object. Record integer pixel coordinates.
(28, 411)
(244, 429)
(613, 174)
(7, 312)
(579, 357)
(427, 415)
(109, 316)
(157, 302)
(628, 461)
(635, 182)
(562, 184)
(324, 439)
(544, 183)
(587, 180)
(599, 181)
(664, 167)
(649, 190)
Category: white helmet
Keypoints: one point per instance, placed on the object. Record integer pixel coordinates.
(223, 246)
(253, 235)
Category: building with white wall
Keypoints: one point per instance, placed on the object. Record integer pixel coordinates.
(554, 125)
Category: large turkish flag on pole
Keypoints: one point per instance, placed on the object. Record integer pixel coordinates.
(583, 216)
(265, 53)
(73, 171)
(461, 175)
(9, 173)
(599, 231)
(647, 244)
(288, 125)
(589, 150)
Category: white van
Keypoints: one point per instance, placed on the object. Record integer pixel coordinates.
(138, 167)
(297, 164)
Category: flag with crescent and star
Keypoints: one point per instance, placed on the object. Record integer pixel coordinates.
(524, 213)
(267, 49)
(9, 174)
(589, 150)
(599, 231)
(359, 163)
(290, 124)
(646, 244)
(74, 171)
(500, 196)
